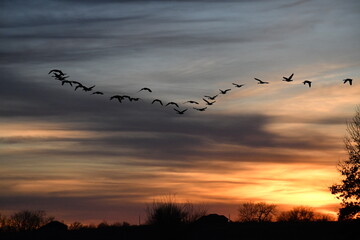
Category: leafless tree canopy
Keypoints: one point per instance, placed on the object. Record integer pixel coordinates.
(256, 212)
(27, 220)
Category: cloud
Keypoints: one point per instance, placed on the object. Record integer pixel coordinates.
(79, 33)
(162, 138)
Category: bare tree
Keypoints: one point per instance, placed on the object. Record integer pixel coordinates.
(256, 212)
(349, 188)
(76, 226)
(27, 220)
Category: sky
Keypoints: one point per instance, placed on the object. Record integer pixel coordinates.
(82, 157)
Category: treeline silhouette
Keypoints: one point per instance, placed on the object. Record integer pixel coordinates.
(169, 219)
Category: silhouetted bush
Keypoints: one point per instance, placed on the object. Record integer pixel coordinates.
(303, 214)
(256, 212)
(168, 211)
(103, 224)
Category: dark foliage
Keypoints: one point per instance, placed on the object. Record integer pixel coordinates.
(349, 188)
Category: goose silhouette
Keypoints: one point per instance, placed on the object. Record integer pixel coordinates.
(180, 112)
(145, 89)
(261, 81)
(126, 96)
(208, 103)
(79, 86)
(134, 99)
(200, 109)
(307, 82)
(349, 80)
(66, 81)
(118, 97)
(76, 82)
(238, 85)
(193, 102)
(59, 76)
(87, 89)
(172, 103)
(157, 100)
(212, 97)
(98, 93)
(57, 71)
(224, 91)
(289, 79)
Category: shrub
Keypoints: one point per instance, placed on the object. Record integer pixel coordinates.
(168, 211)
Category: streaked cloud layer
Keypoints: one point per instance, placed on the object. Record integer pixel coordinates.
(69, 152)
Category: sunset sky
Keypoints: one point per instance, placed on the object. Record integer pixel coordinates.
(82, 157)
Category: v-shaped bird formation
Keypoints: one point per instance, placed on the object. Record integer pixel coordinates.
(207, 99)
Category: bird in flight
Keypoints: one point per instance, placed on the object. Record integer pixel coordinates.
(172, 103)
(59, 76)
(193, 102)
(157, 100)
(349, 80)
(180, 112)
(238, 85)
(126, 96)
(145, 89)
(97, 92)
(88, 89)
(289, 79)
(200, 109)
(57, 71)
(260, 81)
(79, 86)
(208, 103)
(212, 97)
(66, 81)
(118, 97)
(224, 91)
(134, 99)
(76, 82)
(307, 82)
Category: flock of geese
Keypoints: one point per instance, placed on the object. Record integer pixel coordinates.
(208, 100)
